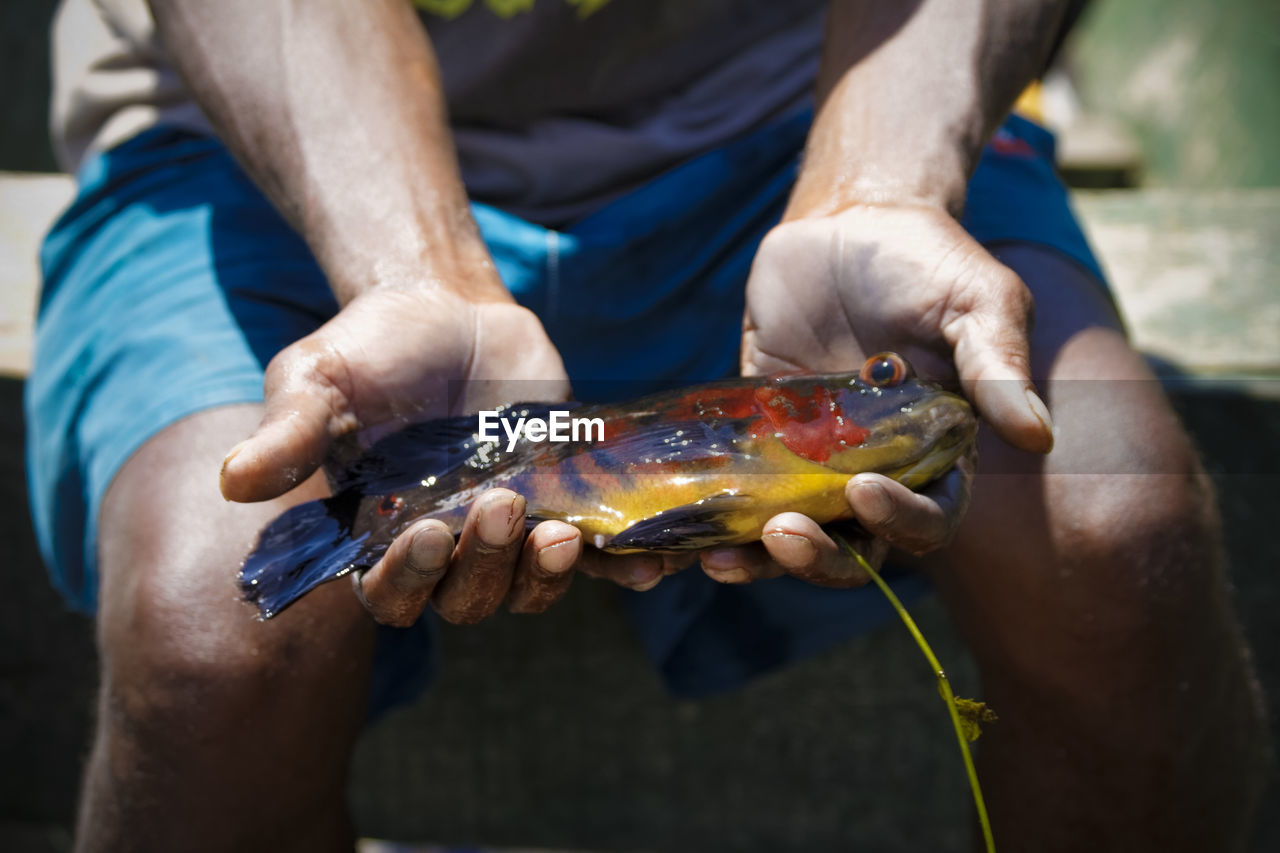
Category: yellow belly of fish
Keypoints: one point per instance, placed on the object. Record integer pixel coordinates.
(803, 487)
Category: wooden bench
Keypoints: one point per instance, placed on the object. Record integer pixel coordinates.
(554, 732)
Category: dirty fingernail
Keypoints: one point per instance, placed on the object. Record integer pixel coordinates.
(1041, 411)
(874, 502)
(722, 560)
(501, 519)
(791, 549)
(429, 549)
(226, 461)
(645, 587)
(644, 574)
(555, 559)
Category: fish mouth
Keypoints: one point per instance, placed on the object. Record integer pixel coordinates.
(951, 419)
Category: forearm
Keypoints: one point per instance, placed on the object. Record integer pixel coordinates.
(337, 111)
(909, 93)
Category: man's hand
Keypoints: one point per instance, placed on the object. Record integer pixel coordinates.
(363, 166)
(827, 291)
(870, 257)
(393, 356)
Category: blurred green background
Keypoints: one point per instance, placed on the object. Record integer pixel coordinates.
(1197, 82)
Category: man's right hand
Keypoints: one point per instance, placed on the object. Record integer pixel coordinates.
(338, 112)
(395, 355)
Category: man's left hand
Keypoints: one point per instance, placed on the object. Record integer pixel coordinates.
(826, 292)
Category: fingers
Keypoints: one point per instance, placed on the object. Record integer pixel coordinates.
(490, 563)
(915, 522)
(396, 590)
(805, 551)
(484, 561)
(306, 408)
(743, 564)
(891, 513)
(469, 582)
(639, 572)
(543, 573)
(493, 562)
(988, 334)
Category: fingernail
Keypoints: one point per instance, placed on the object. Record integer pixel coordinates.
(730, 575)
(226, 460)
(874, 502)
(549, 558)
(429, 549)
(721, 560)
(499, 521)
(515, 517)
(791, 548)
(357, 583)
(1041, 411)
(232, 453)
(644, 574)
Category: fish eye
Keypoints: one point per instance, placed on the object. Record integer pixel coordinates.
(884, 370)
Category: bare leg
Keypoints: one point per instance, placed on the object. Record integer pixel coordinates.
(215, 731)
(1097, 608)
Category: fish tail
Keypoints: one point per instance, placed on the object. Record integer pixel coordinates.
(307, 545)
(312, 543)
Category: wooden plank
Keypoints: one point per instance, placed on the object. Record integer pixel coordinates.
(1195, 273)
(28, 205)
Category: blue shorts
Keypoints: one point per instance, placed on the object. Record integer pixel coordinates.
(171, 282)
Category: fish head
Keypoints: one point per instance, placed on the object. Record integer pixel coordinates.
(881, 419)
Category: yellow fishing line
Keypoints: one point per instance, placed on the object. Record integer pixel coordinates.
(974, 712)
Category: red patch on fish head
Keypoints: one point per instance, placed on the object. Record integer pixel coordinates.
(811, 425)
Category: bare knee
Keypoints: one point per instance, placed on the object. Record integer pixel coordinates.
(168, 662)
(1141, 543)
(181, 655)
(1107, 557)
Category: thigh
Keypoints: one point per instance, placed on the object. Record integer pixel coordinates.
(1090, 586)
(241, 728)
(1042, 534)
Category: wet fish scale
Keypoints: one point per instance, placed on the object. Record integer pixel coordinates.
(696, 468)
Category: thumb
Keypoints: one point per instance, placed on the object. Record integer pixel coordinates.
(992, 357)
(306, 409)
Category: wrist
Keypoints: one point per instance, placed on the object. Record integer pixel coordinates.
(845, 168)
(827, 195)
(448, 257)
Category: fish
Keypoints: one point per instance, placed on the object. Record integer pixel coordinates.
(681, 471)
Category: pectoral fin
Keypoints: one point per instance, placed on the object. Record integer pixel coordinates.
(708, 523)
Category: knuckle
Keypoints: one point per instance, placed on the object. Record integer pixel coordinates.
(531, 604)
(318, 370)
(397, 615)
(490, 557)
(423, 573)
(400, 620)
(462, 615)
(468, 609)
